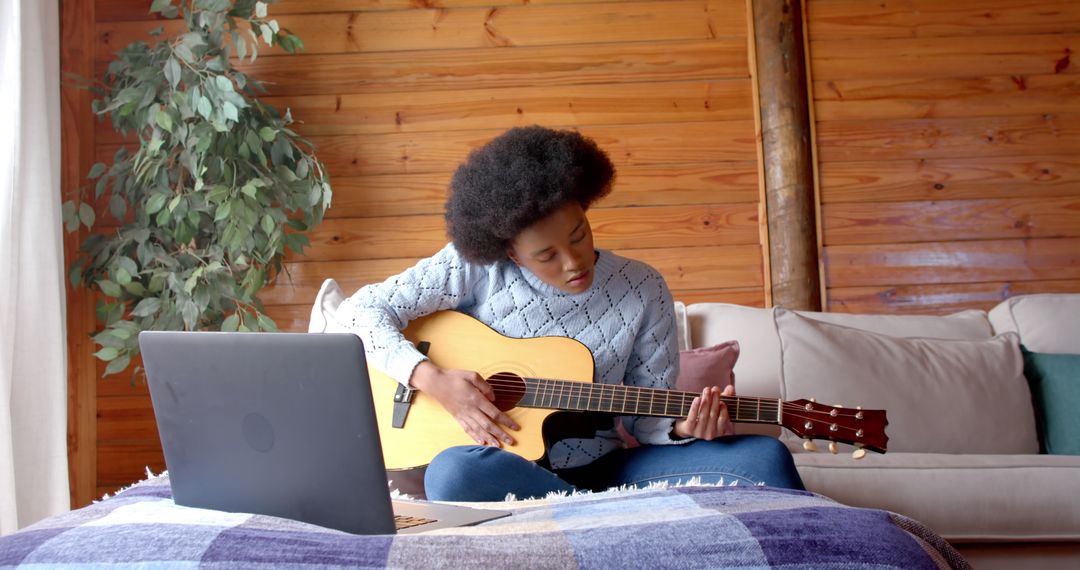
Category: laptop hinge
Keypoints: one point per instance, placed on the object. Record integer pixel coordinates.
(403, 396)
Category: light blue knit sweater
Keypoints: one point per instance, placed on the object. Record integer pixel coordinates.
(625, 318)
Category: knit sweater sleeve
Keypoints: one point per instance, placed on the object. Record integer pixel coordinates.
(654, 363)
(378, 312)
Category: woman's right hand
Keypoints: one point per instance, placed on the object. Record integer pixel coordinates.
(468, 398)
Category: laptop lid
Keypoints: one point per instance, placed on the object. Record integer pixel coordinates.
(280, 424)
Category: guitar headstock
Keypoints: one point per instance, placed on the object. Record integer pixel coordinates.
(863, 428)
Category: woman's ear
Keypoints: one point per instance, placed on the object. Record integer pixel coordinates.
(511, 255)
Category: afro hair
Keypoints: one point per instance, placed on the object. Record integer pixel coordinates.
(518, 178)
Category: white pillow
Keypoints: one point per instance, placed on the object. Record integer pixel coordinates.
(757, 372)
(322, 312)
(1048, 322)
(682, 325)
(942, 396)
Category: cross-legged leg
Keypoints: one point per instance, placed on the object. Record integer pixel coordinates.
(478, 473)
(740, 460)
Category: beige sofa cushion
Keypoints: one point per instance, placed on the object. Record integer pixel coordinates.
(1045, 322)
(942, 396)
(962, 497)
(757, 372)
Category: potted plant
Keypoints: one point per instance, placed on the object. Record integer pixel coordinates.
(215, 190)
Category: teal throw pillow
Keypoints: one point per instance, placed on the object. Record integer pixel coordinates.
(1055, 391)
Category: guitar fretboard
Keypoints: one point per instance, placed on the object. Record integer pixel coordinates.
(636, 401)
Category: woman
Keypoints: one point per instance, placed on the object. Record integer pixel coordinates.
(521, 260)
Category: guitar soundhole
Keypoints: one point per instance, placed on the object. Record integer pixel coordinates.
(509, 389)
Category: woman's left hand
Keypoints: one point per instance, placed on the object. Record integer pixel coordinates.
(708, 417)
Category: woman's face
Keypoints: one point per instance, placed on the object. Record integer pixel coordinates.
(558, 249)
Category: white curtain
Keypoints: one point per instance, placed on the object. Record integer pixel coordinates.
(33, 354)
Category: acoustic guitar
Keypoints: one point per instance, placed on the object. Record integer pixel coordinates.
(534, 378)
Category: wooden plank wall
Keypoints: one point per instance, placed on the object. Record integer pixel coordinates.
(948, 148)
(395, 92)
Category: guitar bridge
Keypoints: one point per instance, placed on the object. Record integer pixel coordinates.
(403, 395)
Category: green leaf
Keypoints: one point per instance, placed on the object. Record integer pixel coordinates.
(122, 276)
(175, 202)
(241, 47)
(118, 365)
(204, 107)
(155, 203)
(159, 5)
(76, 275)
(260, 9)
(267, 34)
(223, 211)
(157, 281)
(127, 264)
(109, 288)
(164, 120)
(107, 353)
(96, 170)
(184, 52)
(190, 284)
(223, 83)
(267, 134)
(173, 72)
(268, 224)
(117, 206)
(202, 297)
(230, 323)
(68, 212)
(147, 307)
(86, 215)
(135, 288)
(314, 195)
(190, 311)
(230, 111)
(266, 323)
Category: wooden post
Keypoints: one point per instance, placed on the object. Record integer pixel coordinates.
(77, 149)
(786, 138)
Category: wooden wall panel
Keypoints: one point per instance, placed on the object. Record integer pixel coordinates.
(476, 27)
(946, 135)
(395, 93)
(935, 18)
(950, 179)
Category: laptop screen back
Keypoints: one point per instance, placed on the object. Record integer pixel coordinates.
(279, 424)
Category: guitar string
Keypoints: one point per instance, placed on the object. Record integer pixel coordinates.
(606, 393)
(562, 389)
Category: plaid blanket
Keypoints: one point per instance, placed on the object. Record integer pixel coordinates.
(679, 527)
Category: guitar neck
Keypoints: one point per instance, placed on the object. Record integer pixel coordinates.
(635, 401)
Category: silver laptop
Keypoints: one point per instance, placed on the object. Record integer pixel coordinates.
(279, 424)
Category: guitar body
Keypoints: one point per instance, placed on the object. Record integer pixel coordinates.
(460, 341)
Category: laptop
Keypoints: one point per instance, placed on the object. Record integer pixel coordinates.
(279, 424)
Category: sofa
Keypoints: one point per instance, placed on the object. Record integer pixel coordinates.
(965, 432)
(966, 453)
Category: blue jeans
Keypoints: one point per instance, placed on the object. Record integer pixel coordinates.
(478, 473)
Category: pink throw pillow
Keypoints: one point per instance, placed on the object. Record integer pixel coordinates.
(698, 368)
(708, 366)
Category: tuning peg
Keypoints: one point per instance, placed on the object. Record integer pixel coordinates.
(809, 445)
(833, 448)
(858, 454)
